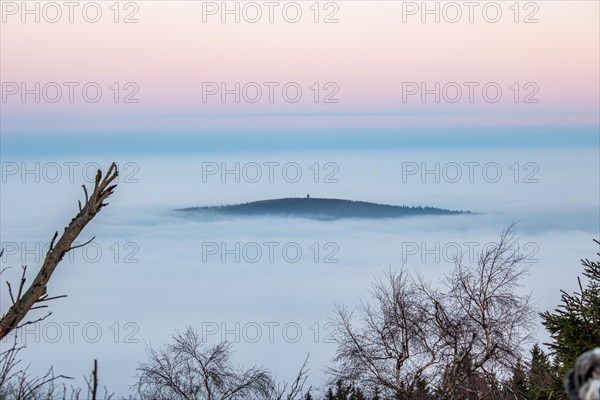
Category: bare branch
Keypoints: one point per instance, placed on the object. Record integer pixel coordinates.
(24, 302)
(463, 338)
(185, 369)
(83, 244)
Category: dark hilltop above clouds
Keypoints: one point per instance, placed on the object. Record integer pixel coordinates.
(320, 208)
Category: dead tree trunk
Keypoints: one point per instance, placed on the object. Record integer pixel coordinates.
(37, 293)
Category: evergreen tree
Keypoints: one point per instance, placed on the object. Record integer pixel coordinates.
(575, 325)
(540, 375)
(346, 392)
(329, 395)
(461, 382)
(342, 391)
(517, 387)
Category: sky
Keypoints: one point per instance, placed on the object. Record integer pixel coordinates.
(371, 61)
(492, 109)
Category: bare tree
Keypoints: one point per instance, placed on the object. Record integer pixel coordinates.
(25, 301)
(484, 321)
(294, 391)
(187, 370)
(17, 383)
(389, 349)
(464, 338)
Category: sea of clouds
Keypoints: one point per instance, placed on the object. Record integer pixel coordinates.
(152, 270)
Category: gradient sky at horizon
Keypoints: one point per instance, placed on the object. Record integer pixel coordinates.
(369, 54)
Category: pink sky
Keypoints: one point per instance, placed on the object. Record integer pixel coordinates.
(369, 54)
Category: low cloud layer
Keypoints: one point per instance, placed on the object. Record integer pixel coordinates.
(270, 284)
